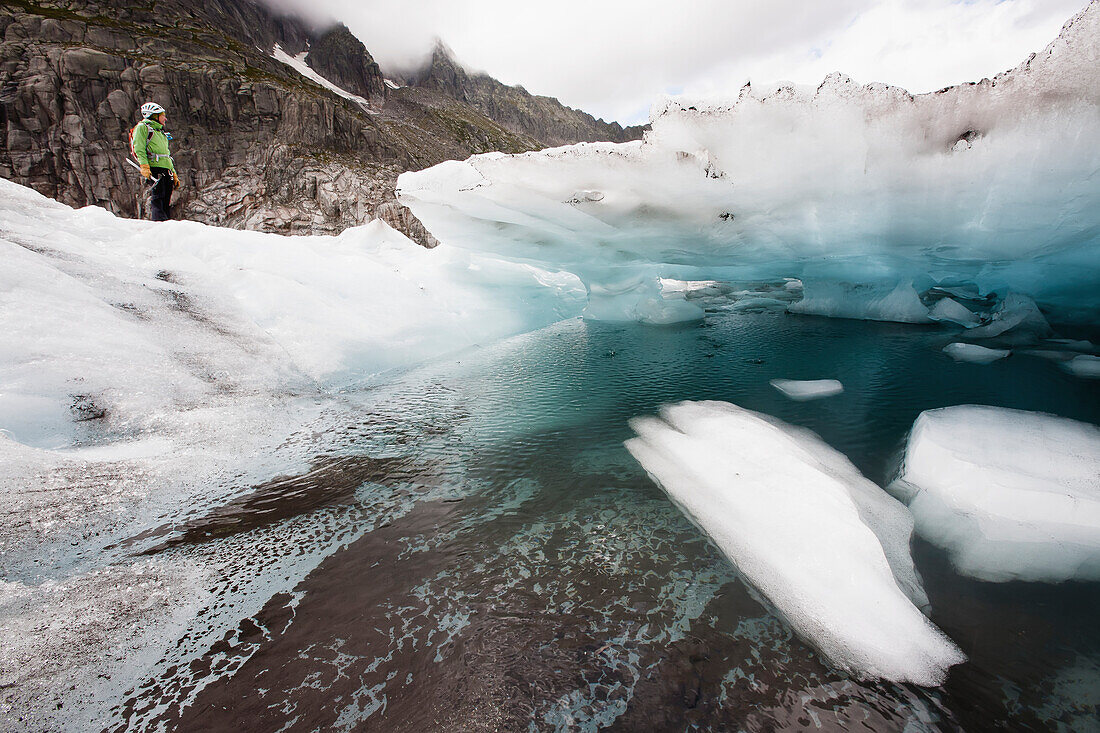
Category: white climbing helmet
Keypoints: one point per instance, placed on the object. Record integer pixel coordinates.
(151, 108)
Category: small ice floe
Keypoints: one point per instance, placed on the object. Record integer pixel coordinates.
(974, 354)
(1083, 365)
(827, 547)
(802, 390)
(1011, 495)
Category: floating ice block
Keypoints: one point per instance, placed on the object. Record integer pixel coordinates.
(828, 548)
(974, 354)
(811, 389)
(1009, 494)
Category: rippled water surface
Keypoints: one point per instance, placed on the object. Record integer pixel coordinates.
(487, 556)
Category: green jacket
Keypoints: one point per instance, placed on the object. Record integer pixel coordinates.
(151, 145)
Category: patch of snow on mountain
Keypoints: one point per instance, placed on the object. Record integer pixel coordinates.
(298, 63)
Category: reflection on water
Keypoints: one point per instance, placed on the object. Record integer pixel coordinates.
(518, 571)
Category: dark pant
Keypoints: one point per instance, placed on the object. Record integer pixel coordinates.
(160, 194)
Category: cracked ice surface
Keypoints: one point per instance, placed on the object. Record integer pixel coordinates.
(869, 194)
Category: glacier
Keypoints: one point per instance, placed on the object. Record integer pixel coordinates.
(877, 199)
(149, 371)
(174, 348)
(1010, 495)
(107, 315)
(827, 547)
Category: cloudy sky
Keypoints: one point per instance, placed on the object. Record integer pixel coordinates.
(614, 59)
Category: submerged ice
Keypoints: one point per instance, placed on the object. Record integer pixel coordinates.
(874, 197)
(828, 548)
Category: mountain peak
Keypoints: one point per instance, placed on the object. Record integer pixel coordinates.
(440, 49)
(339, 56)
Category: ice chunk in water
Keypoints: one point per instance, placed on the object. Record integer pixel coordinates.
(826, 546)
(1085, 365)
(1009, 494)
(811, 389)
(974, 354)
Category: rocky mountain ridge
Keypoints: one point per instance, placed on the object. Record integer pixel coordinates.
(259, 144)
(514, 107)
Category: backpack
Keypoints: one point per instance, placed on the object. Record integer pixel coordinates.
(132, 130)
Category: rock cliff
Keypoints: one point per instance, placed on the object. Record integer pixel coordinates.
(342, 58)
(259, 144)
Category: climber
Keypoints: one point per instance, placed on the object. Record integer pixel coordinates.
(149, 144)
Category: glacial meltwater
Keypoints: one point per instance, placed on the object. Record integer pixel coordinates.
(488, 556)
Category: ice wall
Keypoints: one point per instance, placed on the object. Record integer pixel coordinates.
(867, 193)
(828, 548)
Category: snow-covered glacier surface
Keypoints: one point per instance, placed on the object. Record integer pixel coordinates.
(869, 194)
(116, 319)
(149, 373)
(822, 543)
(1009, 494)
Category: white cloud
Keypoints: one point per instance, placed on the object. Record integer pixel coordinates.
(614, 59)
